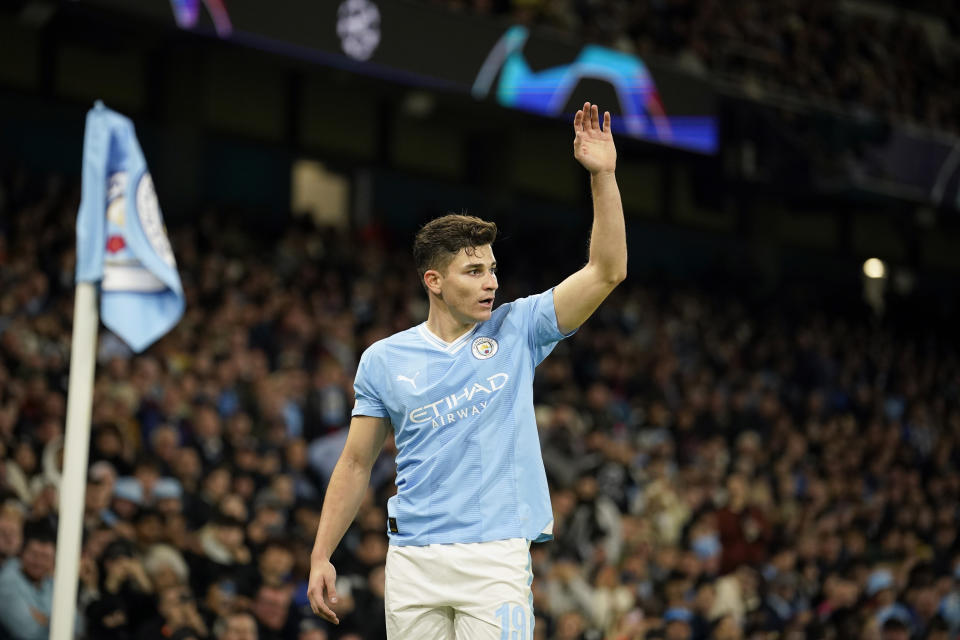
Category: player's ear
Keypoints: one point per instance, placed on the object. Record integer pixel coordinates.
(432, 279)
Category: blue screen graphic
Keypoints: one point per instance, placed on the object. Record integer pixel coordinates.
(642, 113)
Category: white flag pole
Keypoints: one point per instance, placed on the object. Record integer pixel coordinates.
(73, 481)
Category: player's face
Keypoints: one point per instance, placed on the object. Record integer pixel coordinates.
(470, 283)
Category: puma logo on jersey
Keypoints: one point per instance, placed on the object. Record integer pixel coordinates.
(412, 381)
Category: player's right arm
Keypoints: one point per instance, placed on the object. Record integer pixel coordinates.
(347, 485)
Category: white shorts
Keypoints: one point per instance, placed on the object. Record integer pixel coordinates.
(477, 591)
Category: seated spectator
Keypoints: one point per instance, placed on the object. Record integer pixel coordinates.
(165, 567)
(26, 586)
(126, 596)
(894, 629)
(239, 625)
(11, 530)
(271, 606)
(177, 614)
(314, 629)
(677, 624)
(221, 600)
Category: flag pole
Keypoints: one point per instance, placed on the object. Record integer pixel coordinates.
(73, 481)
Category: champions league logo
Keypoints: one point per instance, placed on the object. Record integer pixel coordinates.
(484, 348)
(358, 25)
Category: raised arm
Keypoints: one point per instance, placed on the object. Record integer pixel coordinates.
(348, 483)
(577, 297)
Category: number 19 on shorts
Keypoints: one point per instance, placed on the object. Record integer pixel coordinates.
(513, 622)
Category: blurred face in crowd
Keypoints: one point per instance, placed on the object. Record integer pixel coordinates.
(282, 486)
(37, 560)
(148, 475)
(164, 441)
(240, 626)
(372, 549)
(206, 422)
(26, 458)
(164, 577)
(11, 534)
(297, 454)
(108, 442)
(186, 466)
(678, 630)
(737, 489)
(229, 535)
(216, 484)
(570, 626)
(171, 599)
(468, 284)
(272, 605)
(150, 528)
(377, 580)
(895, 634)
(220, 597)
(239, 427)
(98, 495)
(234, 506)
(275, 565)
(727, 629)
(244, 486)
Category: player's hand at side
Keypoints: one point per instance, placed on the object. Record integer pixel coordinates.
(593, 145)
(323, 578)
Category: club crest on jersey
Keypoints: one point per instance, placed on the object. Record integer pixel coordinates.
(484, 348)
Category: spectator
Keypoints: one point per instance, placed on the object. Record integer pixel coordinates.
(177, 614)
(744, 530)
(26, 586)
(677, 624)
(125, 592)
(11, 530)
(239, 625)
(271, 606)
(894, 629)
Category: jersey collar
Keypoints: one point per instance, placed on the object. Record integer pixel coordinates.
(443, 345)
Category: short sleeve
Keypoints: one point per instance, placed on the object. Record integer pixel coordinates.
(540, 317)
(365, 385)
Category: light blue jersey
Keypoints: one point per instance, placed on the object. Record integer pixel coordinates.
(469, 467)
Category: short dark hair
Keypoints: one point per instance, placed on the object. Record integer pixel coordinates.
(440, 239)
(894, 624)
(40, 531)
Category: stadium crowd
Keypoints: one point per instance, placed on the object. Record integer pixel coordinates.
(719, 470)
(875, 62)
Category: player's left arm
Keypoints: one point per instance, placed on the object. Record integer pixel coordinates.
(579, 295)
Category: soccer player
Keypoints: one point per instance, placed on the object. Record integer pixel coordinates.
(457, 390)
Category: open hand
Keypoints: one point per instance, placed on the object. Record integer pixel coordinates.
(592, 145)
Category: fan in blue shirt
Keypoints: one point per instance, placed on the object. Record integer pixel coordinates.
(457, 391)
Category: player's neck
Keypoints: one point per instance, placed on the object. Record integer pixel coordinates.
(441, 323)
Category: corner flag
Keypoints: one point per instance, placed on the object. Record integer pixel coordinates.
(121, 239)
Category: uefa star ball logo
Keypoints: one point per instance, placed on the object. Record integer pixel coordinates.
(358, 25)
(484, 348)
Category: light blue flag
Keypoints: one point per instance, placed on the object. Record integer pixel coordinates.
(121, 240)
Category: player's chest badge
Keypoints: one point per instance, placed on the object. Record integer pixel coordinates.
(484, 348)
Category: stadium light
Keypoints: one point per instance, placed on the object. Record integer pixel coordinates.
(874, 268)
